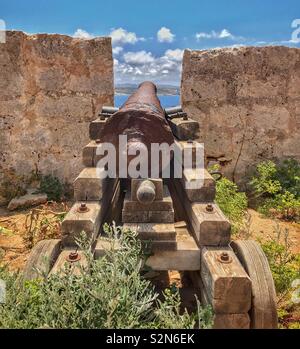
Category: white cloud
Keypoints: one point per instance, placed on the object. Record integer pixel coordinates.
(142, 65)
(82, 34)
(223, 34)
(203, 36)
(165, 35)
(116, 50)
(122, 36)
(175, 55)
(140, 57)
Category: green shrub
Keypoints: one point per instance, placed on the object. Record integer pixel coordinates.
(277, 188)
(51, 186)
(285, 265)
(169, 316)
(288, 174)
(285, 268)
(232, 202)
(108, 293)
(284, 206)
(265, 182)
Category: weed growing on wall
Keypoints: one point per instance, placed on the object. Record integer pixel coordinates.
(51, 186)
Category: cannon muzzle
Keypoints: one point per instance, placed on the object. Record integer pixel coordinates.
(142, 119)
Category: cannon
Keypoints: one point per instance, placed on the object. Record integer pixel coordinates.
(188, 231)
(142, 120)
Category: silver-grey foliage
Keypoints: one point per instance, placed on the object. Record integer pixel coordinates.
(108, 293)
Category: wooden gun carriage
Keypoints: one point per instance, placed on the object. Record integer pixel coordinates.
(187, 229)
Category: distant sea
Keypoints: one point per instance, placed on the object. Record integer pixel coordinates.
(165, 100)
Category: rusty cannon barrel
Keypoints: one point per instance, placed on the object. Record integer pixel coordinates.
(142, 119)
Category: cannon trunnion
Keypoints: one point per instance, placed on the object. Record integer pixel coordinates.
(187, 229)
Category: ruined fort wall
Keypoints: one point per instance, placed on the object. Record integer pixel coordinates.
(51, 87)
(247, 101)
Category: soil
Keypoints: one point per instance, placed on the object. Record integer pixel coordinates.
(13, 248)
(266, 228)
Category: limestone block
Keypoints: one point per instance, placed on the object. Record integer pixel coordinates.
(27, 200)
(50, 87)
(245, 113)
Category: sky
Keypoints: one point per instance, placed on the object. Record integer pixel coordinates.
(149, 37)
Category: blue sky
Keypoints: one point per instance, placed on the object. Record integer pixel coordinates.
(149, 36)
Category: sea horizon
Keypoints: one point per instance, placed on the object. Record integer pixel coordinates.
(165, 100)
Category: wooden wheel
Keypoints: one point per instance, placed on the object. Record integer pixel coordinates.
(42, 257)
(263, 313)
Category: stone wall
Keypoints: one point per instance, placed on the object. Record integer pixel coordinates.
(247, 101)
(51, 87)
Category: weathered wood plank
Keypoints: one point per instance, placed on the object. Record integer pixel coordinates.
(147, 216)
(166, 204)
(41, 258)
(264, 305)
(227, 285)
(75, 222)
(105, 244)
(231, 321)
(88, 154)
(184, 129)
(62, 264)
(89, 186)
(95, 128)
(188, 148)
(90, 158)
(186, 257)
(153, 231)
(113, 200)
(210, 228)
(205, 193)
